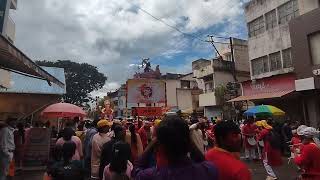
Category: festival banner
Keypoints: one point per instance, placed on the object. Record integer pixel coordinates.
(146, 91)
(37, 147)
(147, 111)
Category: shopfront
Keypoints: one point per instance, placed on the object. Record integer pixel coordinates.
(276, 90)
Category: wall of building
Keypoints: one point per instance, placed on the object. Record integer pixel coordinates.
(272, 40)
(222, 78)
(256, 8)
(172, 86)
(302, 27)
(19, 105)
(241, 55)
(207, 99)
(184, 99)
(308, 5)
(11, 30)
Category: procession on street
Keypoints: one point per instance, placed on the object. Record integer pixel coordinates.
(160, 90)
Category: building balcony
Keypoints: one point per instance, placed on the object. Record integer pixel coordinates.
(11, 30)
(207, 99)
(13, 4)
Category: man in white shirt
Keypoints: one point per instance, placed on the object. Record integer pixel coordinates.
(197, 135)
(7, 146)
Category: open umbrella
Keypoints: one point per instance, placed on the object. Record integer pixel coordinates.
(62, 110)
(264, 110)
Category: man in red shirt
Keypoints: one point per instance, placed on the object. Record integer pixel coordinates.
(228, 140)
(309, 160)
(250, 144)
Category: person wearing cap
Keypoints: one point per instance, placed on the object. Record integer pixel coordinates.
(309, 160)
(7, 146)
(98, 141)
(272, 149)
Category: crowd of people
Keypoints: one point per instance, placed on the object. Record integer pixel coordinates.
(169, 148)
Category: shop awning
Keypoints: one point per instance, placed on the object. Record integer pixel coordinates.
(12, 59)
(261, 96)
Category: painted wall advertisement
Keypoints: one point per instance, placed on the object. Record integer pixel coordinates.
(146, 91)
(37, 147)
(269, 85)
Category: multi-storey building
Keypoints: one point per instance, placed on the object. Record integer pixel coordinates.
(275, 58)
(211, 74)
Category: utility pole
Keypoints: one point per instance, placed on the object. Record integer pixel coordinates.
(212, 42)
(233, 61)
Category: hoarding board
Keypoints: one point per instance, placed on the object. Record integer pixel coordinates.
(146, 91)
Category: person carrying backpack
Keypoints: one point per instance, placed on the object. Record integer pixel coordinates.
(272, 149)
(67, 169)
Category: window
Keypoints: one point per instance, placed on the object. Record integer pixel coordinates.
(208, 87)
(275, 61)
(256, 27)
(288, 11)
(271, 19)
(287, 58)
(314, 41)
(185, 84)
(260, 65)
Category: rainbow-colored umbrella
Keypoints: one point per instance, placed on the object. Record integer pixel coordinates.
(264, 110)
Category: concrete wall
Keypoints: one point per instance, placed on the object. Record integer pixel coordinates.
(222, 78)
(172, 86)
(308, 5)
(19, 105)
(207, 99)
(184, 98)
(241, 55)
(255, 9)
(270, 41)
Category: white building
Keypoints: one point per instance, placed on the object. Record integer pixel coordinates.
(182, 91)
(218, 72)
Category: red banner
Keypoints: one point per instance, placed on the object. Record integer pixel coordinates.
(147, 111)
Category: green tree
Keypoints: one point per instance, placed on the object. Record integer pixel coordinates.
(81, 79)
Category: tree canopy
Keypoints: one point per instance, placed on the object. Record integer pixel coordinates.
(81, 79)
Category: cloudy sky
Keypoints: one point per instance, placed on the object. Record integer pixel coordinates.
(115, 34)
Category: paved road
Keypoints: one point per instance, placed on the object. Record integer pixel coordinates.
(286, 172)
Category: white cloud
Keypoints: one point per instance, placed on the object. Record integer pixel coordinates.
(114, 34)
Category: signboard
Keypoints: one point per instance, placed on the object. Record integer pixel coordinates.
(269, 85)
(147, 91)
(37, 147)
(3, 9)
(305, 84)
(147, 111)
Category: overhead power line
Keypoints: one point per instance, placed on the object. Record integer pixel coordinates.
(175, 28)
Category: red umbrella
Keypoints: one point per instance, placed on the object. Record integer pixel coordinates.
(62, 110)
